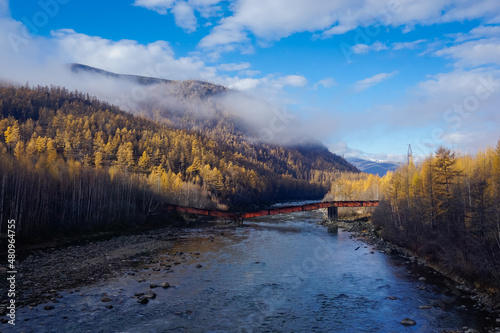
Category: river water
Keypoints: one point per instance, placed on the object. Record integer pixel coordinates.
(275, 274)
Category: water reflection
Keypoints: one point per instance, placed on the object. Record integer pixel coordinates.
(276, 274)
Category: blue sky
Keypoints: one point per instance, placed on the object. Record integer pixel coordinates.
(365, 77)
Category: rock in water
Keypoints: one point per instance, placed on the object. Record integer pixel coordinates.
(150, 294)
(143, 300)
(165, 285)
(408, 322)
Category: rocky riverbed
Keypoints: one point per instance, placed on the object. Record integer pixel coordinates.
(44, 272)
(455, 287)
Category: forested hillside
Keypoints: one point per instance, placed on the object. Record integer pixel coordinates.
(446, 209)
(71, 162)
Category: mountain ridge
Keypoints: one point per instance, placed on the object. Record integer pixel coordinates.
(373, 167)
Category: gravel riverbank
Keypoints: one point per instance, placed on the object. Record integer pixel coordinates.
(46, 271)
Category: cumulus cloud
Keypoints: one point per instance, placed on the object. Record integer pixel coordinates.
(129, 57)
(273, 20)
(372, 80)
(43, 60)
(28, 54)
(184, 16)
(183, 10)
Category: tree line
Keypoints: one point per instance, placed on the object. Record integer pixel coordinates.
(446, 209)
(72, 162)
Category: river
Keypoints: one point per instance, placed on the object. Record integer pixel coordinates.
(275, 274)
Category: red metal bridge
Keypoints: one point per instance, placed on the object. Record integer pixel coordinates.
(332, 207)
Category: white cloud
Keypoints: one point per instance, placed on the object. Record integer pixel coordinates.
(183, 10)
(372, 80)
(291, 80)
(40, 60)
(474, 53)
(457, 109)
(206, 8)
(364, 48)
(245, 84)
(233, 67)
(326, 83)
(227, 36)
(360, 48)
(129, 57)
(159, 6)
(485, 31)
(408, 45)
(449, 105)
(184, 16)
(272, 20)
(270, 83)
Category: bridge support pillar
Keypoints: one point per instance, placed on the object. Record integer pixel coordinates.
(333, 214)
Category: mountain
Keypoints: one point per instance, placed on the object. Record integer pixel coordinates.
(200, 88)
(145, 80)
(214, 110)
(85, 164)
(372, 166)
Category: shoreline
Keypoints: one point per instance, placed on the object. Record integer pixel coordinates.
(47, 272)
(44, 272)
(363, 229)
(65, 263)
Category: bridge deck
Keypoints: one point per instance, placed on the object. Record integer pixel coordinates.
(271, 211)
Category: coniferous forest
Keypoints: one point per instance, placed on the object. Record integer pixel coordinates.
(445, 209)
(71, 163)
